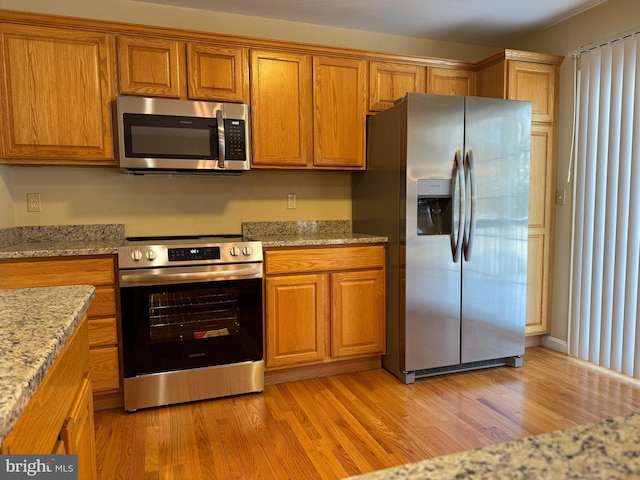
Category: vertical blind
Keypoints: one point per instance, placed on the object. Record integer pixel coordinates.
(605, 266)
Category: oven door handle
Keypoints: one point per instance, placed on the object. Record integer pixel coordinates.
(172, 276)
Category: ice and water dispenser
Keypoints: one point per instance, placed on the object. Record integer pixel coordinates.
(435, 206)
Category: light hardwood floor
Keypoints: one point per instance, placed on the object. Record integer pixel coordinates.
(338, 426)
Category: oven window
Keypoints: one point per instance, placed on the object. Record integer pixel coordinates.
(193, 314)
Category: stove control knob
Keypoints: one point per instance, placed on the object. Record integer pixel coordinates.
(151, 255)
(246, 251)
(136, 255)
(235, 251)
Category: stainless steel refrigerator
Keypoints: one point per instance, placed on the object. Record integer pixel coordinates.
(447, 181)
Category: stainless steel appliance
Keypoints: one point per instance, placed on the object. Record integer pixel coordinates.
(191, 318)
(447, 182)
(160, 135)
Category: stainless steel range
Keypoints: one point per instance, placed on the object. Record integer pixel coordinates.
(191, 318)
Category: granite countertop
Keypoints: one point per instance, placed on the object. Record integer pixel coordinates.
(72, 240)
(35, 324)
(609, 449)
(306, 233)
(60, 240)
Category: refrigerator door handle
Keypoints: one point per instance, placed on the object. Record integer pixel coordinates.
(457, 236)
(470, 234)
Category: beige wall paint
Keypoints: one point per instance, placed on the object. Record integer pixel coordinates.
(6, 197)
(600, 23)
(172, 205)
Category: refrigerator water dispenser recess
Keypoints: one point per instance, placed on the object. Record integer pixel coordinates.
(435, 210)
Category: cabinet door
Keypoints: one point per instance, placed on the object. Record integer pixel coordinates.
(538, 278)
(296, 318)
(447, 81)
(340, 108)
(78, 435)
(56, 96)
(541, 229)
(218, 73)
(357, 313)
(534, 82)
(281, 110)
(391, 81)
(151, 66)
(542, 177)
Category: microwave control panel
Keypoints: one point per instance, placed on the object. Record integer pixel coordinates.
(234, 137)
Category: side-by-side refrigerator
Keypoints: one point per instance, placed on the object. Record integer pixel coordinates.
(447, 182)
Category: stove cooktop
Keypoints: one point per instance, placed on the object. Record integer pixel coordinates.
(183, 239)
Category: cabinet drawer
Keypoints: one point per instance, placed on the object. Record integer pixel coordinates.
(278, 262)
(102, 332)
(104, 368)
(46, 273)
(104, 303)
(37, 428)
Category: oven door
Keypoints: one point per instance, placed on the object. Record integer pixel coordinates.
(176, 326)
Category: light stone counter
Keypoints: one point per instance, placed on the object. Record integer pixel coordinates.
(35, 325)
(60, 241)
(306, 233)
(605, 450)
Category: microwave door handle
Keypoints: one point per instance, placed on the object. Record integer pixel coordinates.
(221, 146)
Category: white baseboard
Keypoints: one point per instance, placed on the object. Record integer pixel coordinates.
(555, 344)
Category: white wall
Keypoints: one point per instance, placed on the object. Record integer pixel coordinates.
(602, 22)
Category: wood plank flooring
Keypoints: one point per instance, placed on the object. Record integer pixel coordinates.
(334, 427)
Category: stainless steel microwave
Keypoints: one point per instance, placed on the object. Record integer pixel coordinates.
(159, 135)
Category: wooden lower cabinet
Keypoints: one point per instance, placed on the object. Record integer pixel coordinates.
(59, 416)
(297, 314)
(99, 271)
(329, 306)
(78, 434)
(357, 318)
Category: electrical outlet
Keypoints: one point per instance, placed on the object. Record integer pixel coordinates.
(33, 202)
(291, 201)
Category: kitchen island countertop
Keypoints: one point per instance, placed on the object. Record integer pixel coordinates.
(35, 325)
(609, 449)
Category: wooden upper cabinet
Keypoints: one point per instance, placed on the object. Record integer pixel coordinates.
(218, 73)
(340, 109)
(449, 81)
(534, 82)
(168, 68)
(151, 66)
(391, 81)
(281, 110)
(56, 96)
(516, 79)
